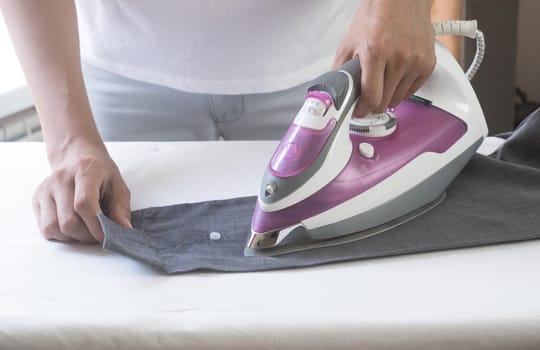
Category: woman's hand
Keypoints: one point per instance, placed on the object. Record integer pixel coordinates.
(84, 182)
(84, 179)
(395, 43)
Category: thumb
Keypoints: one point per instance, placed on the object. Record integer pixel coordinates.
(118, 205)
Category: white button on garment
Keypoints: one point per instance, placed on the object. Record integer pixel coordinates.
(214, 236)
(366, 149)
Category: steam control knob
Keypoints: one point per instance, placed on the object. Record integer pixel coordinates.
(374, 125)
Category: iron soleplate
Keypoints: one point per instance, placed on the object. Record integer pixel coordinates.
(299, 239)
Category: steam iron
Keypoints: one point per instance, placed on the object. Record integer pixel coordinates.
(334, 179)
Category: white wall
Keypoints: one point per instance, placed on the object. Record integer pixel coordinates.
(14, 95)
(528, 55)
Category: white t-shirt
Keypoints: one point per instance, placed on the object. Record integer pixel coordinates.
(214, 46)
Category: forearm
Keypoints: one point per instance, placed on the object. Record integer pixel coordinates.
(45, 37)
(397, 8)
(444, 10)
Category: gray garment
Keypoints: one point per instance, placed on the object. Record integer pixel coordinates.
(523, 145)
(130, 110)
(491, 201)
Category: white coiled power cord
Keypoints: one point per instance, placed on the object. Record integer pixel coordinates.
(470, 30)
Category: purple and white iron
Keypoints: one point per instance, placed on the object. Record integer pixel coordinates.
(334, 179)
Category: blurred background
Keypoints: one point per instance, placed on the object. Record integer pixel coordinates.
(18, 118)
(507, 84)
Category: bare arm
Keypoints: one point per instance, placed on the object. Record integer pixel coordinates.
(445, 10)
(84, 179)
(46, 40)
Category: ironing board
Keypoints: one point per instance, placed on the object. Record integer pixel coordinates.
(59, 296)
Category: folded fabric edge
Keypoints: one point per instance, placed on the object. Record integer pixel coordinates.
(126, 241)
(507, 163)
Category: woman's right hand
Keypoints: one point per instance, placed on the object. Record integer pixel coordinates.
(86, 181)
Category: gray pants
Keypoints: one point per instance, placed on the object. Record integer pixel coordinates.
(130, 110)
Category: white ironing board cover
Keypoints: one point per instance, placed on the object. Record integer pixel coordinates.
(63, 296)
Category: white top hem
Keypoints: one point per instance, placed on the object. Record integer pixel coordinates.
(218, 87)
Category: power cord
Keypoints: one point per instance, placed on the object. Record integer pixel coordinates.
(470, 30)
